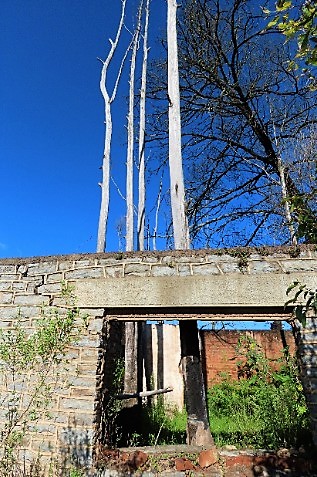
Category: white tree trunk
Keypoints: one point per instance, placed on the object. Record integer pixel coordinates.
(198, 431)
(281, 172)
(104, 206)
(158, 205)
(180, 225)
(131, 328)
(141, 201)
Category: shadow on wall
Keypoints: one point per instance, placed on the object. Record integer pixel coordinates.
(76, 447)
(306, 340)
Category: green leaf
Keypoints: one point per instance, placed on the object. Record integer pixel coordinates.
(293, 285)
(282, 5)
(273, 22)
(301, 315)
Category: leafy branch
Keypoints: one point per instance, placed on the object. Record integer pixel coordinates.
(31, 366)
(299, 24)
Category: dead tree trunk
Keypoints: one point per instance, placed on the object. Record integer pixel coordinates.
(131, 328)
(198, 431)
(141, 202)
(108, 99)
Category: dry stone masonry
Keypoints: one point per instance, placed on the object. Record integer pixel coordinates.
(244, 283)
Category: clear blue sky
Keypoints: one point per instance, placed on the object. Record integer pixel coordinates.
(51, 123)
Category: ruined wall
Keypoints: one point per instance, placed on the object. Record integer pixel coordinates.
(28, 284)
(219, 350)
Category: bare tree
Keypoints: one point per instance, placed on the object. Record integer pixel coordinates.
(132, 338)
(141, 187)
(198, 431)
(130, 147)
(108, 100)
(232, 69)
(177, 190)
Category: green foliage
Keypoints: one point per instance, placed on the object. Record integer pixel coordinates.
(309, 298)
(163, 424)
(32, 362)
(298, 22)
(113, 406)
(264, 409)
(304, 219)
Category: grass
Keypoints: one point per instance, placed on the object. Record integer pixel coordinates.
(265, 408)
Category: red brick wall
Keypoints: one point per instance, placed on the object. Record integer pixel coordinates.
(219, 350)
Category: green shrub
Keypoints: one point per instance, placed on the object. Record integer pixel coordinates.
(265, 408)
(32, 364)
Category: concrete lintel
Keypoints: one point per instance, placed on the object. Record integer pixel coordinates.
(232, 290)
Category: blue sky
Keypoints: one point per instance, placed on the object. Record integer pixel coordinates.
(51, 123)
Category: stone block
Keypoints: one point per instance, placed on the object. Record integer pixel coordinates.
(184, 270)
(42, 268)
(54, 278)
(264, 267)
(50, 289)
(86, 370)
(94, 313)
(76, 404)
(7, 269)
(31, 300)
(293, 265)
(5, 286)
(88, 355)
(84, 263)
(151, 259)
(183, 259)
(46, 444)
(19, 286)
(138, 269)
(65, 265)
(106, 261)
(164, 270)
(6, 298)
(81, 392)
(309, 359)
(205, 269)
(88, 382)
(231, 267)
(8, 278)
(95, 325)
(208, 457)
(116, 271)
(81, 420)
(84, 273)
(90, 342)
(8, 313)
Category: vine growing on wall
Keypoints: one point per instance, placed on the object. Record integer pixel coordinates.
(32, 363)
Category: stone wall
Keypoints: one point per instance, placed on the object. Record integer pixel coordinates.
(219, 278)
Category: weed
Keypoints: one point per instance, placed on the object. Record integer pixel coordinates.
(264, 409)
(31, 365)
(243, 256)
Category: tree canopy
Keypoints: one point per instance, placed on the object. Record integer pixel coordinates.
(248, 125)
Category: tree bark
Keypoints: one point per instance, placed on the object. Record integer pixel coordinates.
(177, 189)
(141, 201)
(198, 431)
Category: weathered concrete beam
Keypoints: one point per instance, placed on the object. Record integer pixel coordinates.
(232, 291)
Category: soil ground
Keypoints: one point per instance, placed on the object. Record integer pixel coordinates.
(178, 461)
